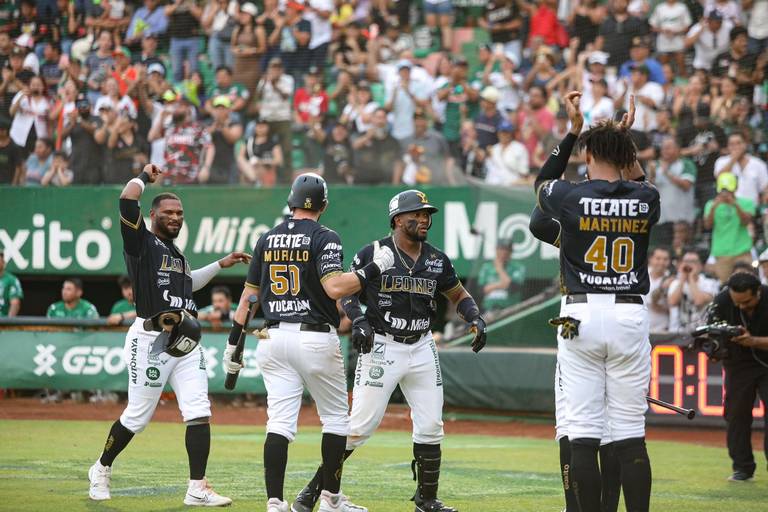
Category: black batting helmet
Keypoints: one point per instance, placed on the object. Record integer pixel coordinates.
(309, 191)
(409, 201)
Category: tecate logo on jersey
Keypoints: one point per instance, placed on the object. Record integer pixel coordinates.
(287, 241)
(613, 207)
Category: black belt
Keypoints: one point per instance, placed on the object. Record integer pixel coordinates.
(304, 327)
(581, 298)
(405, 340)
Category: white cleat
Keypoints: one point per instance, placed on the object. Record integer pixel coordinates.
(100, 477)
(275, 505)
(338, 503)
(201, 494)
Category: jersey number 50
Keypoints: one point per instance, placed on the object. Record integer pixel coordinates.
(622, 254)
(285, 278)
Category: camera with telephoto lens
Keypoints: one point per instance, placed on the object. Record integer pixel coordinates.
(712, 339)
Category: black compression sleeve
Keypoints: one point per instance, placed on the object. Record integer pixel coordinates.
(131, 225)
(351, 307)
(234, 333)
(555, 165)
(467, 309)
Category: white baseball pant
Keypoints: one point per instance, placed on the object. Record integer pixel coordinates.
(606, 369)
(148, 374)
(290, 359)
(416, 368)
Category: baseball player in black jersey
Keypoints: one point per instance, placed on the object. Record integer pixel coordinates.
(395, 341)
(603, 349)
(547, 230)
(162, 344)
(297, 274)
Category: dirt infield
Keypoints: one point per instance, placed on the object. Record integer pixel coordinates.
(397, 418)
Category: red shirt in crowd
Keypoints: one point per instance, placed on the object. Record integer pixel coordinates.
(544, 23)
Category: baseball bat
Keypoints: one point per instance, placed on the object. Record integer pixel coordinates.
(688, 413)
(231, 381)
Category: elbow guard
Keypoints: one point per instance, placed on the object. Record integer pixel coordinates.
(467, 309)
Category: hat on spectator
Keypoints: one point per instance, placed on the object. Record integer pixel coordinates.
(17, 52)
(313, 70)
(642, 41)
(251, 8)
(364, 85)
(222, 101)
(738, 31)
(82, 101)
(459, 60)
(25, 41)
(715, 15)
(485, 46)
(275, 62)
(156, 67)
(292, 4)
(504, 243)
(727, 181)
(512, 57)
(641, 68)
(404, 63)
(598, 58)
(490, 93)
(122, 50)
(506, 126)
(148, 34)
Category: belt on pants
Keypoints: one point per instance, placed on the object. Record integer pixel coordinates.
(406, 340)
(303, 326)
(581, 298)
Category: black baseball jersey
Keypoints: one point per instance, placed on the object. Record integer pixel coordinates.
(402, 301)
(605, 229)
(160, 273)
(289, 264)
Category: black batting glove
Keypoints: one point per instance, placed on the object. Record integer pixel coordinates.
(362, 335)
(478, 327)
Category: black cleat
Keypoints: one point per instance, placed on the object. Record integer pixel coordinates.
(306, 500)
(740, 476)
(433, 506)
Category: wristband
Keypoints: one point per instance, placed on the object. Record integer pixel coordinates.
(368, 272)
(138, 182)
(235, 332)
(467, 309)
(143, 176)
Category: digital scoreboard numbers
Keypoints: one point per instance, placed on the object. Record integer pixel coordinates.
(688, 379)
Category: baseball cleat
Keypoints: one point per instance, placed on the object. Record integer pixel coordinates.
(434, 505)
(201, 494)
(275, 505)
(740, 476)
(306, 499)
(338, 503)
(100, 477)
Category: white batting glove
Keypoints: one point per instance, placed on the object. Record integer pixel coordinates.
(230, 365)
(383, 257)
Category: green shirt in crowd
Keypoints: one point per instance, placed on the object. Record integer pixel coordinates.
(122, 306)
(453, 104)
(499, 299)
(83, 309)
(729, 236)
(10, 288)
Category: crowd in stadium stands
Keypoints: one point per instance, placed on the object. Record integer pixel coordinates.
(442, 92)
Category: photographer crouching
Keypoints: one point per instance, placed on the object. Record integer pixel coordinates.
(743, 302)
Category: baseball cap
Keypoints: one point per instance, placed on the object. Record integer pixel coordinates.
(506, 126)
(82, 101)
(504, 243)
(364, 85)
(17, 52)
(485, 46)
(404, 63)
(727, 181)
(459, 60)
(598, 58)
(641, 41)
(490, 93)
(222, 101)
(250, 8)
(275, 62)
(294, 5)
(641, 68)
(156, 67)
(512, 57)
(313, 70)
(122, 50)
(715, 15)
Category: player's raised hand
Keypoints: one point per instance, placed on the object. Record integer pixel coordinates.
(575, 116)
(628, 119)
(478, 327)
(153, 171)
(233, 258)
(383, 257)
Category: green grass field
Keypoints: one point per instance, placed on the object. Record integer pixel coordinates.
(44, 464)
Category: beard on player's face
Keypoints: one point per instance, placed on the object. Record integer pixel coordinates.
(167, 225)
(414, 229)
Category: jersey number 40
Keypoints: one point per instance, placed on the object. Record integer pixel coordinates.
(622, 254)
(285, 278)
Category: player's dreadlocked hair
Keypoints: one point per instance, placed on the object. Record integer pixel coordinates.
(608, 142)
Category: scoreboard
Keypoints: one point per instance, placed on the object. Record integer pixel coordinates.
(688, 379)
